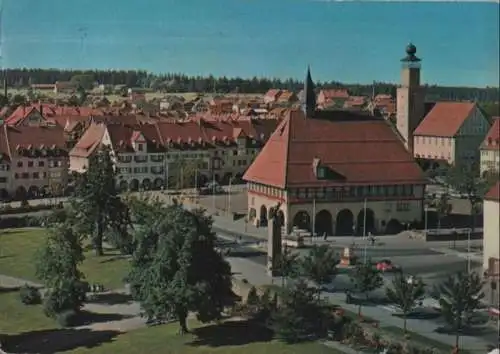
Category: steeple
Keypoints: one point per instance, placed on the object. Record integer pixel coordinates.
(309, 97)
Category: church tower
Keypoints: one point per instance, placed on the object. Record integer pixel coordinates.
(410, 97)
(309, 97)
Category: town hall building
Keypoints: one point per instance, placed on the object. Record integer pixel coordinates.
(335, 173)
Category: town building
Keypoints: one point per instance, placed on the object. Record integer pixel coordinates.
(491, 240)
(334, 173)
(490, 150)
(34, 161)
(172, 154)
(332, 97)
(272, 96)
(449, 133)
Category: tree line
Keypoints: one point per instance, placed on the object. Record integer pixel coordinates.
(176, 82)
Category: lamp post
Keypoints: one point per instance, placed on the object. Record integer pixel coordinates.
(468, 250)
(229, 195)
(426, 209)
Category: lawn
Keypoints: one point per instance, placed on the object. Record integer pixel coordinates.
(419, 339)
(229, 338)
(18, 248)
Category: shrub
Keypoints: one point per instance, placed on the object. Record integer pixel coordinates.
(253, 297)
(69, 297)
(67, 318)
(30, 295)
(25, 203)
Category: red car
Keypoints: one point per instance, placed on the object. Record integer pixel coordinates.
(387, 266)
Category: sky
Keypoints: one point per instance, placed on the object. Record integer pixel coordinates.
(347, 41)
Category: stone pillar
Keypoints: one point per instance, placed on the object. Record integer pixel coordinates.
(273, 246)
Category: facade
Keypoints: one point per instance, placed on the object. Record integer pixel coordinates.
(491, 239)
(332, 96)
(452, 133)
(173, 154)
(272, 96)
(335, 173)
(490, 150)
(34, 161)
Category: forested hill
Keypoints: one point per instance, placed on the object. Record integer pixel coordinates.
(182, 83)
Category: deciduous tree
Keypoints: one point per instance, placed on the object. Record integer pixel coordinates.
(320, 265)
(97, 203)
(176, 268)
(366, 278)
(405, 293)
(287, 265)
(460, 296)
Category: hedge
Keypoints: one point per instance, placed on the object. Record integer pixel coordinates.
(8, 210)
(11, 222)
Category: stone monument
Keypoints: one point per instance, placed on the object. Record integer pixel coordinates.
(274, 242)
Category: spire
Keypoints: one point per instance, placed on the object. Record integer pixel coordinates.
(309, 97)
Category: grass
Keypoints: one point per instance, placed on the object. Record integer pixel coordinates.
(232, 337)
(18, 249)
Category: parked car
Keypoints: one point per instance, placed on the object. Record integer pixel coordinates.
(386, 265)
(210, 188)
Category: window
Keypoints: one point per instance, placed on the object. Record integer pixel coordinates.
(19, 164)
(30, 163)
(321, 172)
(36, 175)
(140, 147)
(25, 175)
(3, 179)
(235, 152)
(41, 163)
(16, 175)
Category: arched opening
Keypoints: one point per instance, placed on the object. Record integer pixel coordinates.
(435, 166)
(158, 183)
(263, 215)
(21, 193)
(393, 227)
(323, 223)
(370, 221)
(217, 178)
(134, 185)
(202, 180)
(123, 186)
(146, 184)
(33, 192)
(426, 165)
(344, 223)
(227, 177)
(302, 220)
(252, 214)
(4, 195)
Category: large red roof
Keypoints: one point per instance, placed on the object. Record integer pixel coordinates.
(445, 119)
(494, 193)
(359, 149)
(492, 139)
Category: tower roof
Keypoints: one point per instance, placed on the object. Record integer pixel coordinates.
(309, 99)
(411, 50)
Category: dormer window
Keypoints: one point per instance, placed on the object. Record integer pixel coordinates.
(140, 147)
(321, 172)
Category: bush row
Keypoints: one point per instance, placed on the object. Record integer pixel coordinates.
(12, 222)
(26, 208)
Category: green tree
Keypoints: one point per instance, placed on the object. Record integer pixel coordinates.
(466, 179)
(57, 267)
(253, 297)
(97, 203)
(443, 208)
(320, 265)
(365, 278)
(176, 268)
(406, 293)
(81, 95)
(287, 265)
(300, 314)
(84, 81)
(460, 296)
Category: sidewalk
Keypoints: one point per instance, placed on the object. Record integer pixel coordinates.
(256, 274)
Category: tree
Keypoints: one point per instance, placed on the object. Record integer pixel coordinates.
(365, 279)
(300, 314)
(460, 295)
(97, 203)
(84, 81)
(176, 268)
(81, 95)
(443, 208)
(466, 180)
(287, 265)
(320, 265)
(405, 293)
(57, 266)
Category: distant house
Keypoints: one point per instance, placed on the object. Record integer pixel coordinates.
(490, 149)
(272, 96)
(332, 96)
(43, 87)
(65, 87)
(287, 97)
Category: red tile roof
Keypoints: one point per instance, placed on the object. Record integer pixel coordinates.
(445, 119)
(332, 94)
(494, 193)
(89, 141)
(362, 149)
(34, 137)
(492, 140)
(273, 93)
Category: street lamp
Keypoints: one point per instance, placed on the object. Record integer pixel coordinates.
(229, 195)
(426, 209)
